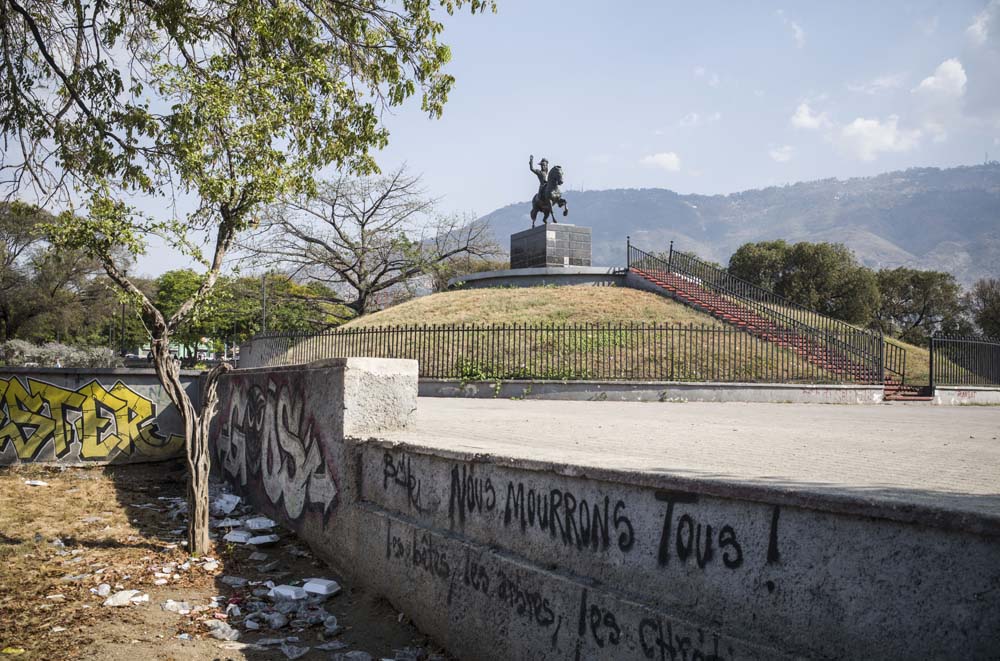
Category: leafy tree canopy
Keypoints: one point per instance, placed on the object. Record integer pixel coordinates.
(984, 304)
(916, 304)
(825, 277)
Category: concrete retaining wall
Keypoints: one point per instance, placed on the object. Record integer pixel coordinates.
(658, 391)
(500, 558)
(72, 416)
(966, 396)
(595, 276)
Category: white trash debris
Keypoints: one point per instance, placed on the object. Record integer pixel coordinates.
(332, 646)
(259, 523)
(225, 503)
(275, 620)
(103, 590)
(321, 586)
(124, 598)
(257, 556)
(160, 581)
(238, 536)
(261, 540)
(36, 483)
(288, 592)
(356, 655)
(227, 523)
(293, 652)
(179, 607)
(221, 630)
(234, 581)
(238, 647)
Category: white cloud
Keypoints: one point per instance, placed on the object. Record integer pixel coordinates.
(805, 118)
(797, 32)
(879, 84)
(712, 78)
(867, 138)
(947, 81)
(666, 160)
(781, 154)
(939, 99)
(929, 26)
(981, 26)
(693, 119)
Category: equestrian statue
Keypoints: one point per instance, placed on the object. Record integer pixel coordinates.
(548, 196)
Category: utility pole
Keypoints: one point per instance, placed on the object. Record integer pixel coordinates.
(263, 303)
(123, 330)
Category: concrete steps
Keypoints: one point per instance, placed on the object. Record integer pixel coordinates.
(690, 292)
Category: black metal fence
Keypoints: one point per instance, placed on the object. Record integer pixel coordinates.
(965, 361)
(865, 349)
(608, 351)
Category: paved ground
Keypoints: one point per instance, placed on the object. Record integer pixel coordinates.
(945, 458)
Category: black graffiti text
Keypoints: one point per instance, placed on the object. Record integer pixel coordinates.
(470, 493)
(575, 521)
(600, 623)
(658, 641)
(524, 601)
(400, 473)
(693, 539)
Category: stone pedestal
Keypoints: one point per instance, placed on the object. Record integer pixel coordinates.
(555, 244)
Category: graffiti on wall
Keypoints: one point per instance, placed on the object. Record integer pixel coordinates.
(267, 433)
(101, 422)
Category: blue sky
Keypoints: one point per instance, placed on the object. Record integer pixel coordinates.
(706, 97)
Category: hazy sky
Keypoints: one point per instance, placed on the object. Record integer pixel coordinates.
(705, 97)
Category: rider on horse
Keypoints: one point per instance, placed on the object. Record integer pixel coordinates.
(542, 172)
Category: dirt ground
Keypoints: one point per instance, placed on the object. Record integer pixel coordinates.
(114, 526)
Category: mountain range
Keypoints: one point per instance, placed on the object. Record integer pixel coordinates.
(928, 218)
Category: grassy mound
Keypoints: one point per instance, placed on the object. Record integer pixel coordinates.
(597, 353)
(537, 305)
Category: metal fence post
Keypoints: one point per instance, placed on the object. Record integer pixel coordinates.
(881, 357)
(931, 377)
(670, 258)
(628, 252)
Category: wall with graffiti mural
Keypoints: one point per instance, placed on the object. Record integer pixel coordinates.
(505, 558)
(71, 416)
(279, 433)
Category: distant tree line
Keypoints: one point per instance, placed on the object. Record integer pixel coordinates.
(356, 246)
(905, 303)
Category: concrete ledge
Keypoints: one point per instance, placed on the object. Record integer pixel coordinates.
(595, 276)
(966, 396)
(656, 391)
(500, 557)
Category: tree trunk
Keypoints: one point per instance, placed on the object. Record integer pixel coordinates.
(196, 426)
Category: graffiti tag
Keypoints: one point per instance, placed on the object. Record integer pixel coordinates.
(102, 422)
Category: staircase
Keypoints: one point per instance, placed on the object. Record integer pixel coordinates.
(842, 351)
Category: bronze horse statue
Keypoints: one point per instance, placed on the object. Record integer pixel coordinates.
(549, 197)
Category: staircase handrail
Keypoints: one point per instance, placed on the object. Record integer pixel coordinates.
(671, 265)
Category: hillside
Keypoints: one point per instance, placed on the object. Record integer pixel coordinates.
(942, 219)
(536, 305)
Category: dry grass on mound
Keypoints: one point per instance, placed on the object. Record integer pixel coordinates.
(536, 305)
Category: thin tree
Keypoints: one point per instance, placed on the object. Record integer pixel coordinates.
(365, 236)
(233, 105)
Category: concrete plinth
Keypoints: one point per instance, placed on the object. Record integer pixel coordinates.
(555, 244)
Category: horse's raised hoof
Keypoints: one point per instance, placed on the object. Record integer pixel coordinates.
(565, 212)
